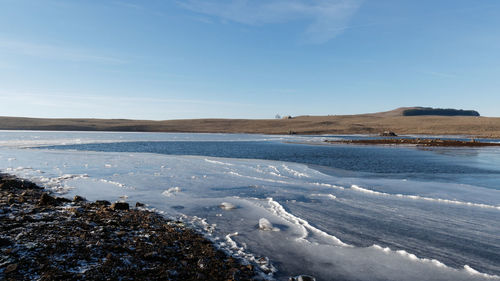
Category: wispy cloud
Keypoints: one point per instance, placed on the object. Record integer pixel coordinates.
(63, 99)
(4, 65)
(48, 51)
(439, 74)
(72, 105)
(327, 18)
(137, 6)
(129, 5)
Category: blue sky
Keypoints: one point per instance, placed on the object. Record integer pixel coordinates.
(162, 59)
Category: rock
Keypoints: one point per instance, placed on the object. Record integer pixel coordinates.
(5, 242)
(302, 278)
(10, 183)
(102, 203)
(139, 204)
(248, 267)
(11, 268)
(78, 198)
(62, 200)
(172, 272)
(201, 263)
(388, 134)
(120, 206)
(28, 185)
(76, 210)
(151, 255)
(46, 200)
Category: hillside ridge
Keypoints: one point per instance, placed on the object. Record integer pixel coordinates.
(371, 123)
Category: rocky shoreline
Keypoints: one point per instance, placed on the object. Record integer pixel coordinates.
(418, 142)
(51, 238)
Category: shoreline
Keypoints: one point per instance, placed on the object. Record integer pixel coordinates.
(57, 238)
(416, 141)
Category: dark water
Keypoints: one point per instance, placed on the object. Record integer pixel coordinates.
(375, 161)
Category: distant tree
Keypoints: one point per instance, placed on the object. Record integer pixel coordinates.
(439, 111)
(277, 116)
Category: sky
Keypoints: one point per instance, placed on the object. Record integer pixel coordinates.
(181, 59)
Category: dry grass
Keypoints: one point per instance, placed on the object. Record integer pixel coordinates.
(342, 124)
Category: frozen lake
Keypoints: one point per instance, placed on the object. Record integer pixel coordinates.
(336, 212)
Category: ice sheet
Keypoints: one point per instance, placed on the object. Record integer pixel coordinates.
(326, 227)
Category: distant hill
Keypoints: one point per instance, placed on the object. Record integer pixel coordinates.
(426, 121)
(420, 111)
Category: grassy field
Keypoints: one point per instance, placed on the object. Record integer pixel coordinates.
(332, 124)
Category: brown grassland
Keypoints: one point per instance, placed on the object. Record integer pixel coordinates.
(333, 124)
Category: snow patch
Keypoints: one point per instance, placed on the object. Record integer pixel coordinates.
(266, 225)
(294, 172)
(416, 197)
(112, 182)
(171, 191)
(218, 162)
(330, 196)
(327, 185)
(277, 209)
(227, 206)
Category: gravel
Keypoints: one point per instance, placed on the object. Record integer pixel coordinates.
(43, 237)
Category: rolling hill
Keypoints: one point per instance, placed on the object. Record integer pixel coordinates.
(372, 123)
